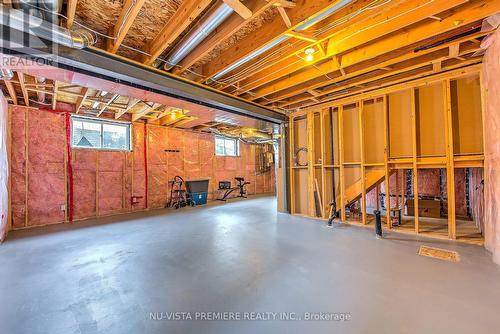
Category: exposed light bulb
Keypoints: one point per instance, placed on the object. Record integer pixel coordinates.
(309, 58)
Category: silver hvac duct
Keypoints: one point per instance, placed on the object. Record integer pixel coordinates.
(196, 36)
(6, 73)
(33, 25)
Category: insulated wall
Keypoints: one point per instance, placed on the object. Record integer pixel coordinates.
(112, 182)
(4, 168)
(491, 84)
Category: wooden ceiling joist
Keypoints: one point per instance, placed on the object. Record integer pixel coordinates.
(407, 66)
(131, 103)
(130, 10)
(362, 32)
(360, 67)
(228, 28)
(71, 11)
(107, 104)
(239, 8)
(11, 91)
(22, 83)
(472, 11)
(265, 34)
(80, 100)
(187, 13)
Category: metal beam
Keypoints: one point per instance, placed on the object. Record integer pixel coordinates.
(104, 65)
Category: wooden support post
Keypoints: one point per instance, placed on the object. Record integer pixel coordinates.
(341, 205)
(362, 149)
(386, 162)
(450, 164)
(291, 170)
(323, 137)
(397, 189)
(414, 157)
(310, 163)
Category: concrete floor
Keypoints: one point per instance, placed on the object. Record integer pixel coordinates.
(107, 276)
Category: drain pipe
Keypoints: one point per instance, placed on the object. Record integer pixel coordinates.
(33, 25)
(196, 36)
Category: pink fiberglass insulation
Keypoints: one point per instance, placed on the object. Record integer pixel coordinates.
(158, 166)
(84, 183)
(110, 182)
(18, 167)
(491, 85)
(46, 167)
(4, 168)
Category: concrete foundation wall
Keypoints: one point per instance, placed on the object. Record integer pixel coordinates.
(104, 182)
(491, 84)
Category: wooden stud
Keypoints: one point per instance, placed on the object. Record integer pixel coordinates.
(414, 157)
(54, 95)
(341, 205)
(362, 150)
(284, 17)
(130, 10)
(386, 162)
(239, 8)
(310, 164)
(323, 136)
(185, 15)
(450, 167)
(26, 96)
(291, 171)
(11, 91)
(71, 13)
(81, 100)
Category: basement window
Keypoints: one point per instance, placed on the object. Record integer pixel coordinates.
(227, 146)
(100, 134)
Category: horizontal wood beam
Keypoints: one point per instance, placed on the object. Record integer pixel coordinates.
(187, 13)
(239, 8)
(360, 67)
(130, 10)
(265, 34)
(71, 11)
(11, 91)
(472, 12)
(462, 67)
(360, 33)
(362, 82)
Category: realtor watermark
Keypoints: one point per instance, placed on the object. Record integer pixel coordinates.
(28, 35)
(249, 316)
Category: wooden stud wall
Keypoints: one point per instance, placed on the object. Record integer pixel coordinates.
(434, 123)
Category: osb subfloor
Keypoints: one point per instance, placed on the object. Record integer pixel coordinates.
(108, 275)
(467, 231)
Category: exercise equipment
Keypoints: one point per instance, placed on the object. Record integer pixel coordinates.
(228, 191)
(178, 195)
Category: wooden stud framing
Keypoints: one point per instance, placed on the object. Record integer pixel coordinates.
(130, 10)
(341, 205)
(362, 149)
(26, 96)
(414, 158)
(310, 163)
(71, 13)
(386, 162)
(239, 8)
(450, 167)
(291, 172)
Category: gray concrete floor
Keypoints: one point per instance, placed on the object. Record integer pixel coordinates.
(107, 275)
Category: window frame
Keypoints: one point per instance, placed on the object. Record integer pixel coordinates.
(102, 122)
(236, 144)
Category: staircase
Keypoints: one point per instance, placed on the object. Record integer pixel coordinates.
(354, 191)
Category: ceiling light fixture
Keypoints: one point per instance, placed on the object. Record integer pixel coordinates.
(309, 54)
